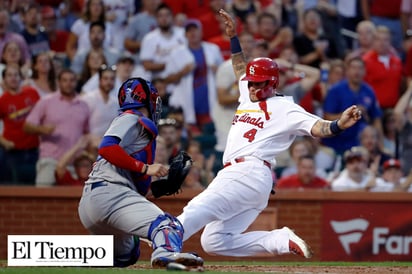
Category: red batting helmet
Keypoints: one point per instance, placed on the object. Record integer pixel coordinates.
(260, 70)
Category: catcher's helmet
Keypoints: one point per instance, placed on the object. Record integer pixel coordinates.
(260, 70)
(138, 92)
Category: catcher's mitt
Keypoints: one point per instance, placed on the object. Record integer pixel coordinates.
(178, 170)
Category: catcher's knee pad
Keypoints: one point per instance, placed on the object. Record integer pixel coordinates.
(166, 231)
(131, 258)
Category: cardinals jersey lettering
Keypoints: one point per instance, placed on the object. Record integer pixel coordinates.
(252, 134)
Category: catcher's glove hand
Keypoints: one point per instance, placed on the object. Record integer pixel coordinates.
(178, 170)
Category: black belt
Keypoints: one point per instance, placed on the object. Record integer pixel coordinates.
(242, 159)
(98, 184)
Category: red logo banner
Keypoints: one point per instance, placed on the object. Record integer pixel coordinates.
(366, 232)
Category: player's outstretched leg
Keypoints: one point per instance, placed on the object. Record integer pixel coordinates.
(297, 245)
(166, 234)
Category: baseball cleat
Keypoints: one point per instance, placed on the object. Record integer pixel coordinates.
(186, 259)
(298, 246)
(179, 267)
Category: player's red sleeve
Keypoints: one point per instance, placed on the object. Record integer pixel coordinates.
(116, 155)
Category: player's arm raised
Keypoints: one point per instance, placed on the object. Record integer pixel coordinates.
(324, 128)
(238, 58)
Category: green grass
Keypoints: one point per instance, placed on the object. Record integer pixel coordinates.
(82, 270)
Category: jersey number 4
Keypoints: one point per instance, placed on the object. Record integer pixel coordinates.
(250, 135)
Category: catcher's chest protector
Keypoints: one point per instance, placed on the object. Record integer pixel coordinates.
(145, 155)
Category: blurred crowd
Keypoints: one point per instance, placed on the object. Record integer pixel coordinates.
(62, 62)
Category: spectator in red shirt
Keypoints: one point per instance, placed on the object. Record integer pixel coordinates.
(20, 148)
(57, 38)
(221, 40)
(383, 69)
(210, 19)
(192, 9)
(305, 177)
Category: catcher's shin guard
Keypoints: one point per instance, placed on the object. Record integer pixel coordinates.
(166, 234)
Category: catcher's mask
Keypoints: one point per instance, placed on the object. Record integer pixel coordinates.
(266, 70)
(138, 92)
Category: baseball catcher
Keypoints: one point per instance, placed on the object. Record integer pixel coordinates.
(114, 198)
(178, 170)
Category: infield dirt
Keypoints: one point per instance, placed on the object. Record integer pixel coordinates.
(301, 269)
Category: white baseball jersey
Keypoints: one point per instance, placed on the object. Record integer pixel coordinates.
(239, 192)
(101, 112)
(345, 183)
(157, 47)
(252, 134)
